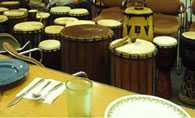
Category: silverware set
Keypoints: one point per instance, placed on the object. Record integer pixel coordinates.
(38, 95)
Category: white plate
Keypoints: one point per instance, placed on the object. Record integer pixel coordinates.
(144, 106)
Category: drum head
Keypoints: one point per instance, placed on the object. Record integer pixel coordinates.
(2, 9)
(78, 12)
(54, 29)
(165, 41)
(189, 35)
(43, 15)
(64, 20)
(109, 23)
(3, 18)
(80, 22)
(15, 13)
(28, 26)
(133, 11)
(87, 33)
(140, 49)
(60, 9)
(50, 44)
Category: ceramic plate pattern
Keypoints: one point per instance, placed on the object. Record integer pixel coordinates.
(144, 106)
(12, 70)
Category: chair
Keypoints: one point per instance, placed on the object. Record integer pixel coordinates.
(111, 9)
(165, 19)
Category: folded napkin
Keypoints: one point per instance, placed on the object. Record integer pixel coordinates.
(49, 96)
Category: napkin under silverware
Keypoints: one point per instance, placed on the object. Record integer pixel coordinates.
(50, 95)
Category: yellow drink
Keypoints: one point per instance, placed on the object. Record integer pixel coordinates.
(79, 96)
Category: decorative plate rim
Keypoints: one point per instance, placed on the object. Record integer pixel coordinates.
(179, 108)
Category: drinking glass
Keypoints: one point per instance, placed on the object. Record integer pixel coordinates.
(79, 97)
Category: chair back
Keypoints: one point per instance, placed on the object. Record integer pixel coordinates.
(112, 3)
(164, 6)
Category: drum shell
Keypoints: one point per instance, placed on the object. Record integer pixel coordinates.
(187, 92)
(4, 27)
(132, 74)
(13, 21)
(52, 36)
(188, 53)
(52, 58)
(91, 57)
(165, 57)
(34, 36)
(117, 32)
(134, 25)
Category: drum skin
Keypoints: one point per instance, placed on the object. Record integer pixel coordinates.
(85, 48)
(80, 13)
(138, 24)
(188, 53)
(134, 75)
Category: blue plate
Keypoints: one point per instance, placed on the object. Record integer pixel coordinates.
(11, 71)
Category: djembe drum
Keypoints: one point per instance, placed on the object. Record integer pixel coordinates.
(10, 4)
(80, 13)
(32, 13)
(51, 53)
(29, 31)
(187, 92)
(43, 17)
(188, 50)
(167, 51)
(3, 24)
(138, 23)
(85, 48)
(2, 9)
(53, 32)
(15, 16)
(133, 65)
(59, 11)
(80, 22)
(64, 20)
(115, 25)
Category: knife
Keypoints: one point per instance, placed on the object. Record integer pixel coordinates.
(18, 98)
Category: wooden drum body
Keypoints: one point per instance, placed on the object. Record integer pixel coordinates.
(187, 92)
(167, 51)
(138, 23)
(133, 66)
(51, 53)
(53, 32)
(80, 13)
(3, 24)
(85, 48)
(115, 25)
(15, 16)
(29, 31)
(188, 50)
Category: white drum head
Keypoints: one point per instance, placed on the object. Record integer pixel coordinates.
(109, 23)
(165, 41)
(189, 35)
(28, 26)
(50, 44)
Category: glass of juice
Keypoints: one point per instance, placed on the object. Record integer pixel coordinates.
(79, 97)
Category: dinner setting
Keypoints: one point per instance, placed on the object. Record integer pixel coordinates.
(97, 59)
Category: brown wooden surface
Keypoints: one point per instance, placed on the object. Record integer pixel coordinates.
(102, 96)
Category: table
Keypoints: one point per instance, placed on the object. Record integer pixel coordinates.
(102, 96)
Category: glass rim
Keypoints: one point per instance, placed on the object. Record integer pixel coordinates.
(82, 78)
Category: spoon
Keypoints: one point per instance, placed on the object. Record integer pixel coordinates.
(38, 94)
(42, 98)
